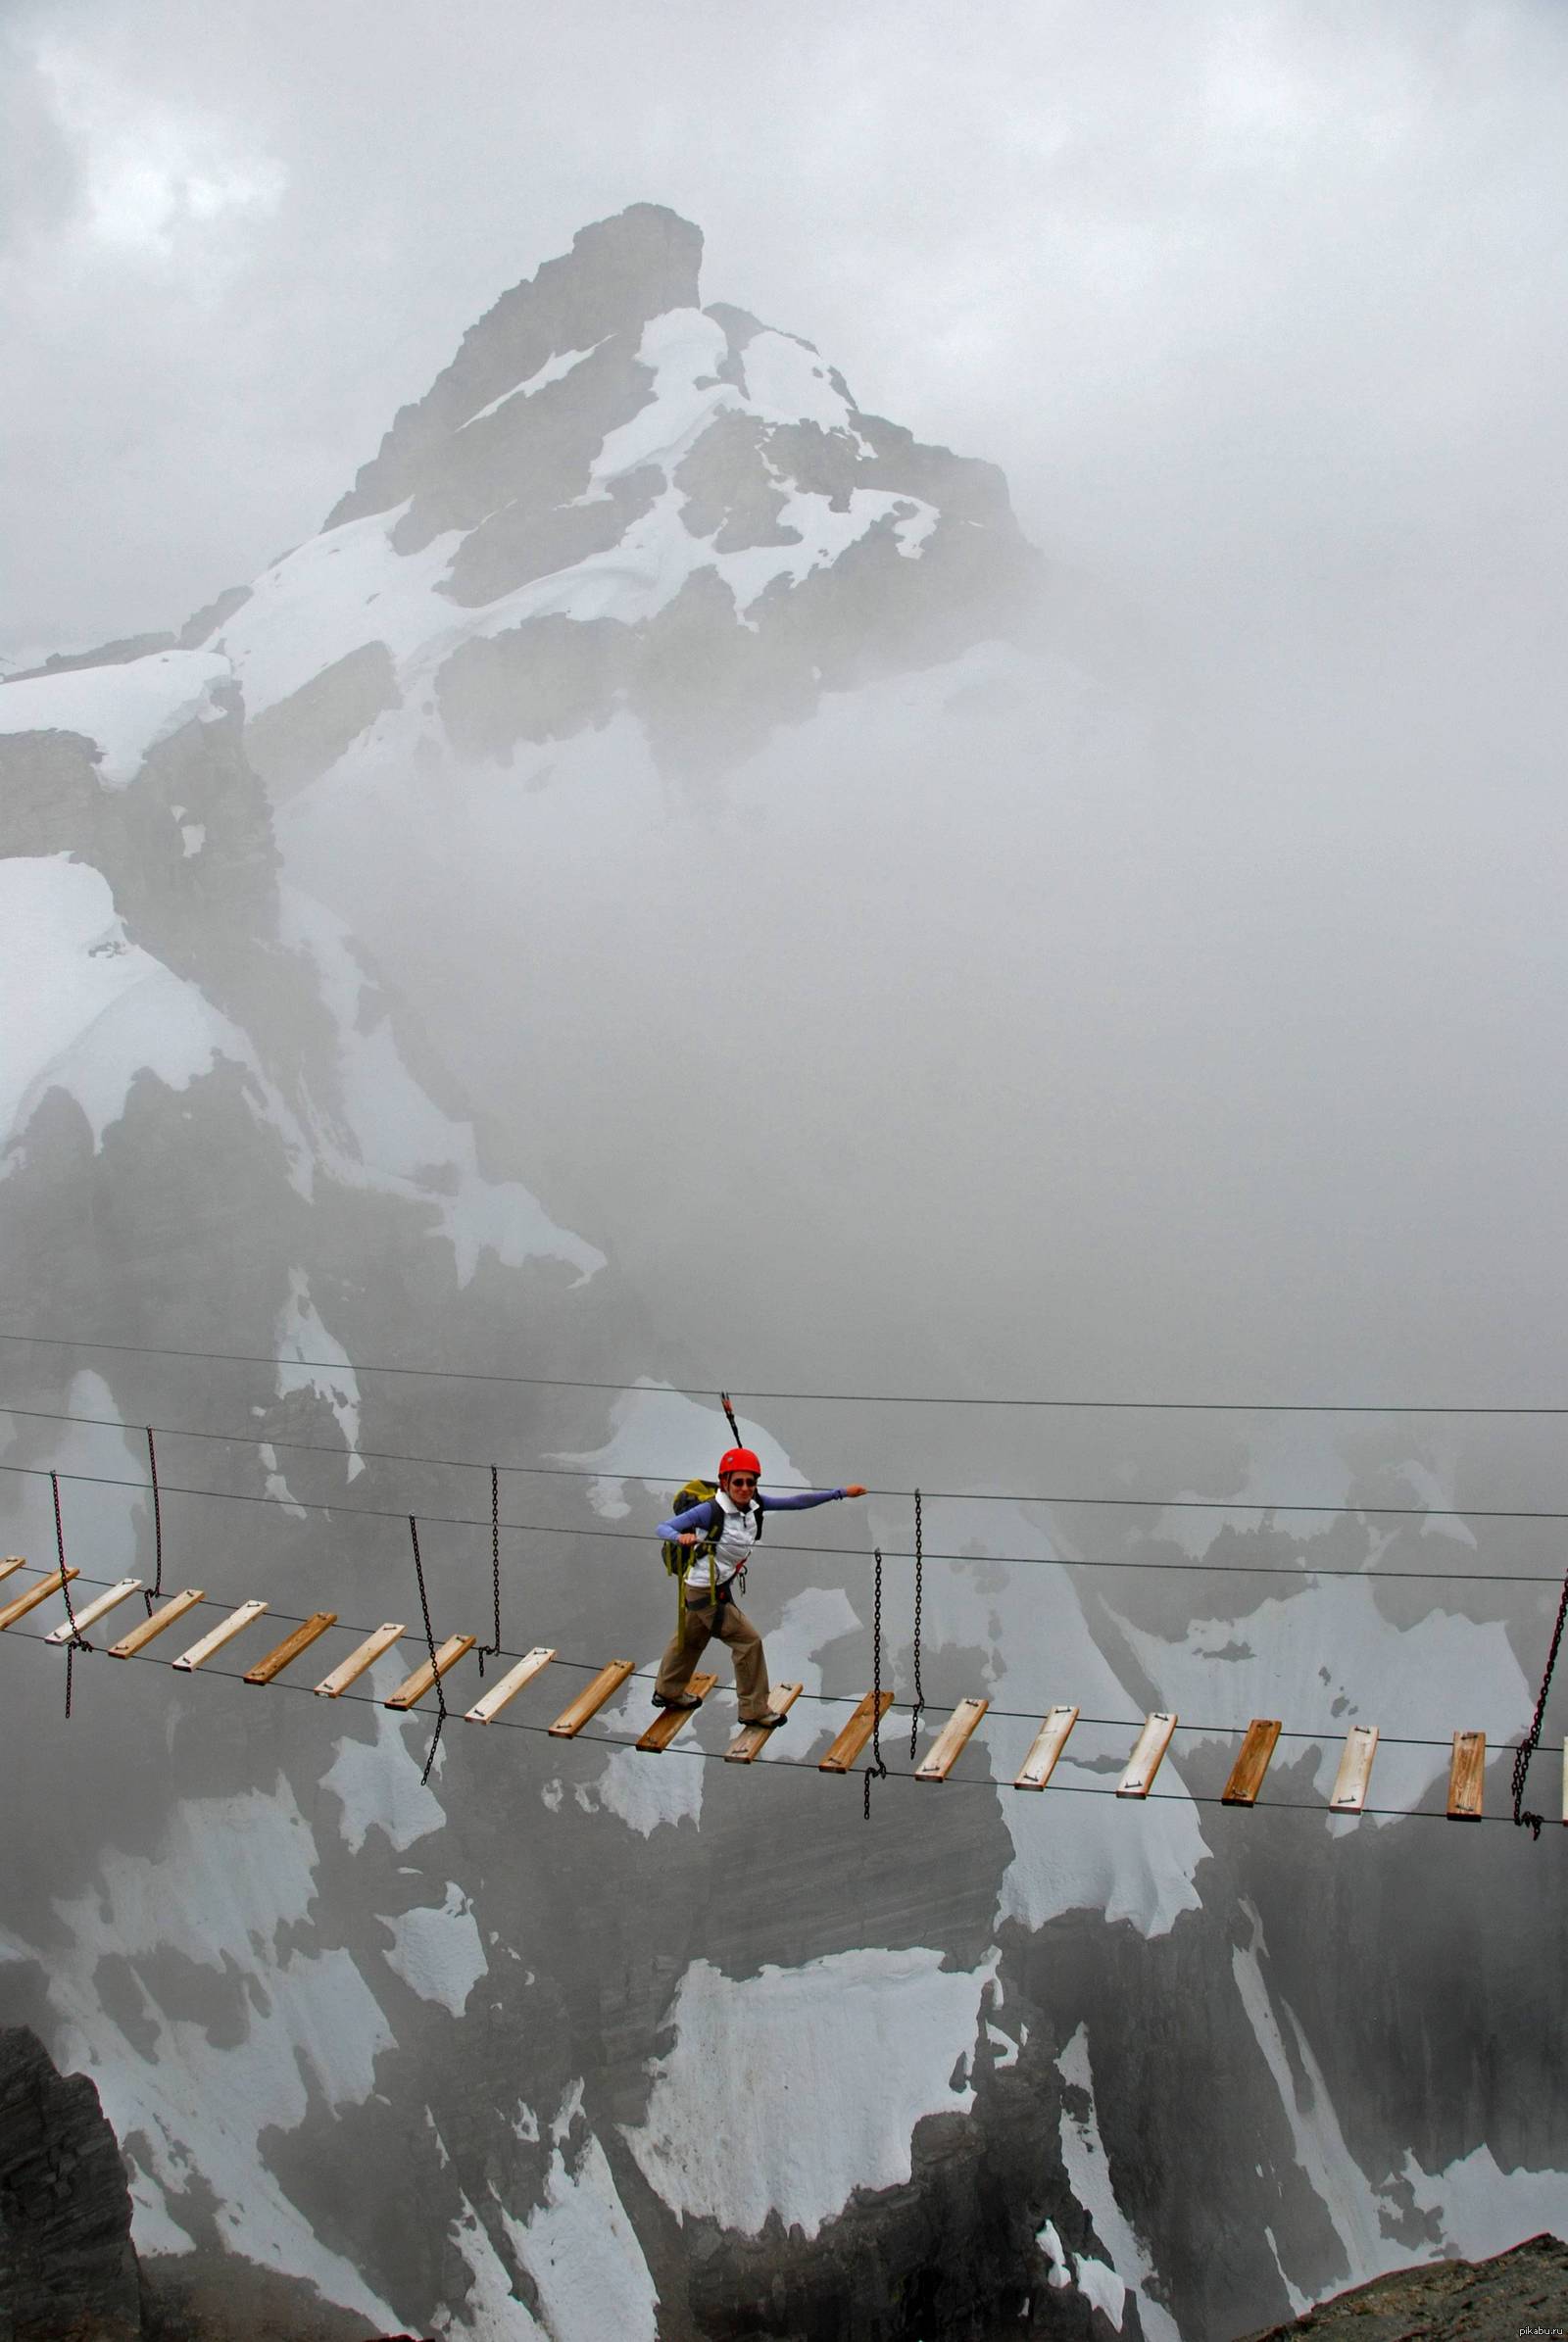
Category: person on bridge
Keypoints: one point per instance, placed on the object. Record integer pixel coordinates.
(719, 1533)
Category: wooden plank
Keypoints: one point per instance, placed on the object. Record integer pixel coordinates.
(364, 1654)
(667, 1723)
(1246, 1774)
(511, 1684)
(1467, 1774)
(11, 1564)
(1045, 1747)
(173, 1609)
(216, 1636)
(311, 1631)
(95, 1610)
(948, 1745)
(1147, 1752)
(1356, 1768)
(752, 1737)
(35, 1595)
(855, 1735)
(592, 1698)
(409, 1693)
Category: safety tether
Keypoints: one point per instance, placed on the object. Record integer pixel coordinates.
(1532, 1739)
(429, 1637)
(876, 1768)
(79, 1641)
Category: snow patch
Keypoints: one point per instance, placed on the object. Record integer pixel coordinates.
(436, 1950)
(310, 1359)
(734, 2125)
(1291, 1460)
(86, 1009)
(786, 382)
(646, 1794)
(1089, 2176)
(124, 711)
(231, 1877)
(552, 371)
(387, 1134)
(582, 2253)
(377, 1781)
(490, 2312)
(1484, 2209)
(684, 348)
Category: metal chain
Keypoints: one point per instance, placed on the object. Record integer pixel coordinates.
(79, 1641)
(430, 1637)
(158, 1526)
(1532, 1739)
(492, 1650)
(876, 1768)
(919, 1573)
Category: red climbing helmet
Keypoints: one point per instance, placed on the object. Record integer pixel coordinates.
(739, 1459)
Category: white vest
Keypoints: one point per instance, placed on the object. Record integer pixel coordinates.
(732, 1552)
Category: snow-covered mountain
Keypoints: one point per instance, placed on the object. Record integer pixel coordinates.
(351, 968)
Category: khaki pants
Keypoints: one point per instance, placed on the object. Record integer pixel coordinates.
(729, 1621)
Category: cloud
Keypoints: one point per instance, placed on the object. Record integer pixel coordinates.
(150, 172)
(1209, 283)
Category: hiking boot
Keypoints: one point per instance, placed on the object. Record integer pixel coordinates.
(769, 1723)
(676, 1699)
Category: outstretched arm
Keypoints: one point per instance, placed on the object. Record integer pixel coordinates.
(803, 1501)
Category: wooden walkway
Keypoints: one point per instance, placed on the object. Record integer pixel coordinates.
(1247, 1779)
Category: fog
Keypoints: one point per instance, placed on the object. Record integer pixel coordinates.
(1191, 1030)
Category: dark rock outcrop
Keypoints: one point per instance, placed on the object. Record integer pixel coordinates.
(1521, 2292)
(116, 653)
(67, 2268)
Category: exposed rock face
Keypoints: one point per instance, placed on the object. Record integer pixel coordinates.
(1524, 2292)
(619, 274)
(68, 2272)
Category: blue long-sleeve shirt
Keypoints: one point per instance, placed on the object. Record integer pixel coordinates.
(738, 1531)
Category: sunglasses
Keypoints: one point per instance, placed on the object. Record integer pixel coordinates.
(743, 1479)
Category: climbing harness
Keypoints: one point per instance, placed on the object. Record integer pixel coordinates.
(492, 1650)
(919, 1574)
(876, 1768)
(158, 1527)
(79, 1641)
(1531, 1741)
(429, 1637)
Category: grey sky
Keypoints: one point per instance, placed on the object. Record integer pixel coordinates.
(1207, 280)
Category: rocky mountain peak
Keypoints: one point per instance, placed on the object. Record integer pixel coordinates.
(616, 500)
(619, 274)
